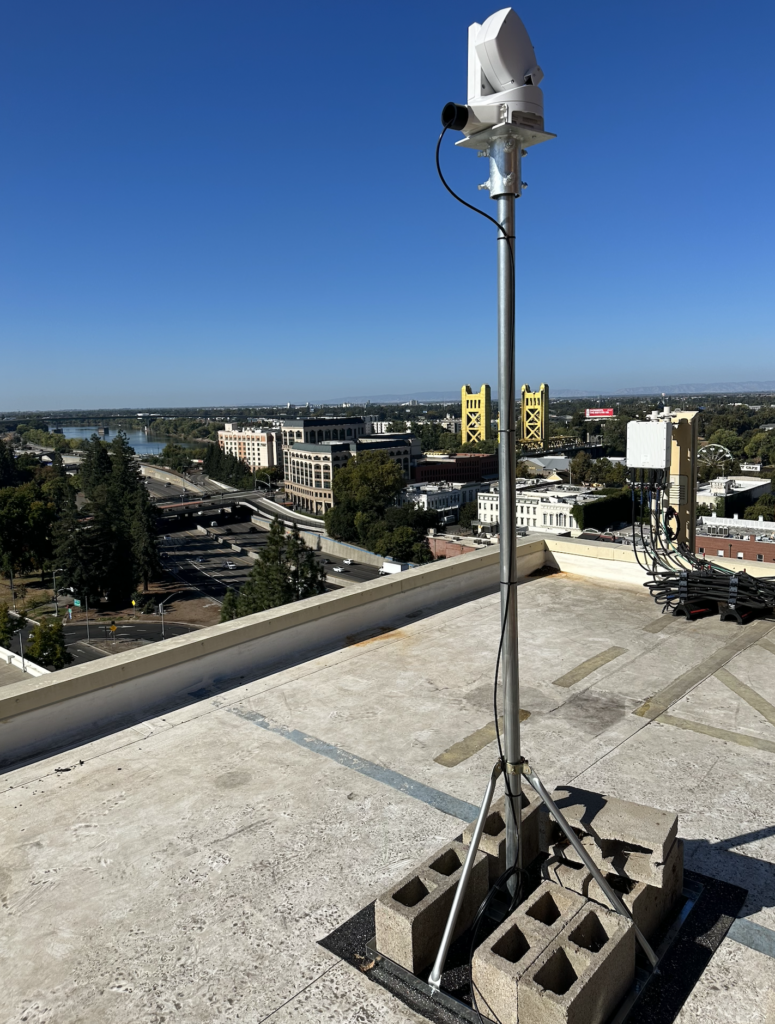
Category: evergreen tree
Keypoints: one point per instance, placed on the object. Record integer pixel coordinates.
(229, 606)
(285, 571)
(7, 626)
(7, 465)
(95, 469)
(47, 646)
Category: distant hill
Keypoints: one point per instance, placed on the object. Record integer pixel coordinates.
(738, 388)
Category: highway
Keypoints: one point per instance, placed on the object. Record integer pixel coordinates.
(146, 628)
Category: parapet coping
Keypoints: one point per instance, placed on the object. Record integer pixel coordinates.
(32, 694)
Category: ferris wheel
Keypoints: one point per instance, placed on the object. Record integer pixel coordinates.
(714, 455)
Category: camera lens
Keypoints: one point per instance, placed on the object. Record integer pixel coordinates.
(454, 115)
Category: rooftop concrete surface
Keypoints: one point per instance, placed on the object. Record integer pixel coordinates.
(9, 673)
(183, 869)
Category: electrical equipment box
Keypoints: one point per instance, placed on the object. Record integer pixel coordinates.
(648, 444)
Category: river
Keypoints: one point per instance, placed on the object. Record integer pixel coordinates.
(142, 443)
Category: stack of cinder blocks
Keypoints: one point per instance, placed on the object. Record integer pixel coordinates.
(558, 958)
(564, 956)
(635, 848)
(410, 916)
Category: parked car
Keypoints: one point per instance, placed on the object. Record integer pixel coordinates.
(213, 522)
(230, 565)
(199, 559)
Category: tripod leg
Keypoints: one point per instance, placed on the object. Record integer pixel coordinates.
(587, 861)
(446, 941)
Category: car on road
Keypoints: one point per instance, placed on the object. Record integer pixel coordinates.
(348, 561)
(229, 565)
(338, 568)
(326, 561)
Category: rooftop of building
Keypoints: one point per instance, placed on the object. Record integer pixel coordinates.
(322, 421)
(370, 441)
(733, 483)
(184, 860)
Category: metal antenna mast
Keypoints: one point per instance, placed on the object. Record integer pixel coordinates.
(504, 116)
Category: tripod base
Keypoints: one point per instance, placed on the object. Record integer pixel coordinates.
(434, 980)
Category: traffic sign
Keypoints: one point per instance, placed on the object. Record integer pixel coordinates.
(133, 602)
(77, 603)
(113, 629)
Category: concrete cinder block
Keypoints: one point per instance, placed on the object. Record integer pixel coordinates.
(583, 974)
(567, 873)
(410, 916)
(623, 838)
(493, 841)
(505, 955)
(651, 906)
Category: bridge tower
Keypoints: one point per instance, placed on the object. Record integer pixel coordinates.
(476, 413)
(535, 413)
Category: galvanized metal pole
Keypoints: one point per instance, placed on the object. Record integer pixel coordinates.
(505, 185)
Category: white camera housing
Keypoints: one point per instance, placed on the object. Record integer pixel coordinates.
(503, 75)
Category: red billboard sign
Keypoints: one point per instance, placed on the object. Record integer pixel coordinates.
(600, 414)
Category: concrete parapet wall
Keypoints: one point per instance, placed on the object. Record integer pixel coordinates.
(28, 666)
(44, 713)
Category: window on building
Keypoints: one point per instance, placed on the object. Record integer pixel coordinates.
(545, 518)
(700, 551)
(720, 553)
(740, 554)
(760, 558)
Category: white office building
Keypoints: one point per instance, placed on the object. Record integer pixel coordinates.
(543, 508)
(259, 449)
(440, 497)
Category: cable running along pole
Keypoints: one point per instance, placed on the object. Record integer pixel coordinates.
(505, 181)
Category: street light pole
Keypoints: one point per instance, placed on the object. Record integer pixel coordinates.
(21, 646)
(56, 598)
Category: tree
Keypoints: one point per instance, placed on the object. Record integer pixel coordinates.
(47, 646)
(397, 426)
(7, 626)
(580, 468)
(229, 606)
(285, 571)
(369, 482)
(7, 465)
(175, 457)
(468, 513)
(764, 506)
(729, 439)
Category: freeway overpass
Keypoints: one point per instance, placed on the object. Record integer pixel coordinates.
(187, 513)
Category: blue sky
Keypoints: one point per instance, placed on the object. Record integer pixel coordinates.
(208, 202)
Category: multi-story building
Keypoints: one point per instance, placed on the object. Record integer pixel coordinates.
(259, 449)
(443, 497)
(545, 508)
(730, 495)
(463, 468)
(731, 537)
(310, 467)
